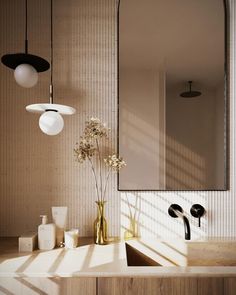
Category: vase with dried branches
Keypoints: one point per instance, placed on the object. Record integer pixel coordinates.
(88, 148)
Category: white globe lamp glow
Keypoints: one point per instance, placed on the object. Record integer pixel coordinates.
(51, 123)
(26, 75)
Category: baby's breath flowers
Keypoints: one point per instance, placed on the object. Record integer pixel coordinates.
(89, 146)
(95, 129)
(84, 150)
(115, 162)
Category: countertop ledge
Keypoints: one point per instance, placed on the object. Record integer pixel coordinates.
(89, 260)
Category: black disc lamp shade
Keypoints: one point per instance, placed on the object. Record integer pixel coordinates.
(16, 59)
(12, 61)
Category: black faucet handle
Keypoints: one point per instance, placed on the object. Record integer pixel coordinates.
(197, 211)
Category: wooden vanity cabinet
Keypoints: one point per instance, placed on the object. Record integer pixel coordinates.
(118, 286)
(167, 286)
(47, 286)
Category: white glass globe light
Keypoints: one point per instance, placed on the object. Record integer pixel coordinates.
(51, 123)
(26, 75)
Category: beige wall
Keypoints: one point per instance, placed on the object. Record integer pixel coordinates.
(38, 172)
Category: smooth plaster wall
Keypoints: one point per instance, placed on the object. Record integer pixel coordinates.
(195, 139)
(39, 171)
(142, 128)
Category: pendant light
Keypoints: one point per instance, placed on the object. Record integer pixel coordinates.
(51, 121)
(26, 65)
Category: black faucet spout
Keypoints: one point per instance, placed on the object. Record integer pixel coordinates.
(186, 228)
(176, 211)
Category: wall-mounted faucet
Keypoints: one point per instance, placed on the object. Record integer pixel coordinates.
(197, 211)
(176, 211)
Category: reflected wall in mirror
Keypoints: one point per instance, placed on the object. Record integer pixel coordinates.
(172, 132)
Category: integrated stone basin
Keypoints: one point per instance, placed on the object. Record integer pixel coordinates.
(165, 257)
(180, 253)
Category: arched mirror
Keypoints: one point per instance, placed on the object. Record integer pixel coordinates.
(172, 94)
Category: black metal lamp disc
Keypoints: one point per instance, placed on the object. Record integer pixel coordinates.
(16, 59)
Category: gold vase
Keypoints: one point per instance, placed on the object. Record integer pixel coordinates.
(132, 232)
(100, 225)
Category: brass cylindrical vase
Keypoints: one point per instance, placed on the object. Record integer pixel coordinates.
(100, 225)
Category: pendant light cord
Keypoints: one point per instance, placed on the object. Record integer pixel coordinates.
(51, 79)
(26, 27)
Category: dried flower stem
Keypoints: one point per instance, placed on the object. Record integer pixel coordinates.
(94, 131)
(105, 188)
(136, 206)
(100, 166)
(95, 178)
(130, 211)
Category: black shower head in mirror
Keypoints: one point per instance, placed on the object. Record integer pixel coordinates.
(190, 93)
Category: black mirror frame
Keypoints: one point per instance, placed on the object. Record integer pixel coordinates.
(226, 105)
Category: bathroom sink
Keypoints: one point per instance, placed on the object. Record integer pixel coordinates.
(180, 253)
(137, 258)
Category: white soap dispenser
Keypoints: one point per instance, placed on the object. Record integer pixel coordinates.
(46, 234)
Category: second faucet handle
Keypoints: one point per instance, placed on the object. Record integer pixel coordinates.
(197, 211)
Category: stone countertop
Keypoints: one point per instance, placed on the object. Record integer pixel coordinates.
(89, 260)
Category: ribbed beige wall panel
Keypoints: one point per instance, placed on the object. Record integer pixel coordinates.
(38, 171)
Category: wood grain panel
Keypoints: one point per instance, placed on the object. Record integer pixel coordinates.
(150, 286)
(206, 286)
(118, 286)
(229, 286)
(48, 286)
(166, 286)
(78, 286)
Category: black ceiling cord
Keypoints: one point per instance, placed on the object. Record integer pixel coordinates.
(26, 26)
(49, 122)
(51, 56)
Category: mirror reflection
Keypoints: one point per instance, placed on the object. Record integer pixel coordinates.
(172, 98)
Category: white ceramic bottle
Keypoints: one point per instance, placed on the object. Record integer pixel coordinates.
(59, 217)
(46, 234)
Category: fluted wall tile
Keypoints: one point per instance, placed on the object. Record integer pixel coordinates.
(38, 171)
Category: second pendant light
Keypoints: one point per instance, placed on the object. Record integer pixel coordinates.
(51, 121)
